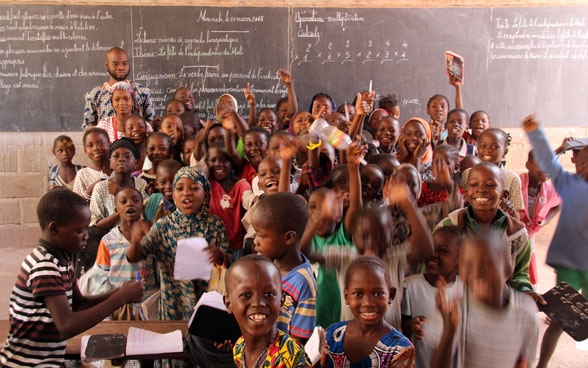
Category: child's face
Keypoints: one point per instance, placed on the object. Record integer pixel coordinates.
(456, 125)
(277, 141)
(136, 129)
(268, 173)
(376, 117)
(175, 107)
(187, 150)
(446, 257)
(349, 110)
(158, 149)
(219, 164)
(186, 96)
(188, 196)
(580, 161)
(415, 135)
(372, 180)
(535, 172)
(371, 236)
(395, 113)
(255, 147)
(340, 179)
(122, 161)
(368, 296)
(491, 148)
(320, 203)
(64, 151)
(96, 147)
(72, 237)
(484, 189)
(129, 204)
(438, 109)
(172, 126)
(301, 123)
(452, 164)
(387, 133)
(254, 296)
(409, 177)
(283, 116)
(122, 102)
(328, 105)
(164, 179)
(216, 135)
(268, 120)
(268, 240)
(479, 122)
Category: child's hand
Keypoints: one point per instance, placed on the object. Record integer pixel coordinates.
(249, 95)
(285, 76)
(421, 149)
(536, 297)
(454, 81)
(442, 174)
(150, 188)
(364, 106)
(288, 151)
(215, 254)
(396, 192)
(417, 327)
(225, 346)
(355, 153)
(530, 123)
(138, 231)
(448, 308)
(563, 144)
(316, 112)
(507, 207)
(113, 187)
(436, 129)
(131, 292)
(403, 153)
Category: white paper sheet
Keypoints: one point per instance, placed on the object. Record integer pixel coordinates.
(313, 345)
(143, 342)
(192, 260)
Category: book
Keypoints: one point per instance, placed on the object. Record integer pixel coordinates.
(569, 309)
(143, 342)
(103, 346)
(454, 65)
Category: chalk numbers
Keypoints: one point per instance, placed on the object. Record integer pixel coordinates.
(354, 51)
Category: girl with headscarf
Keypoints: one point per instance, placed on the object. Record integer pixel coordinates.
(190, 219)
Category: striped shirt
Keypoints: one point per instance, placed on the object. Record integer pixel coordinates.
(33, 339)
(298, 312)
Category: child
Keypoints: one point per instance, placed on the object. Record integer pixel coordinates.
(268, 120)
(492, 147)
(111, 252)
(123, 157)
(191, 193)
(96, 147)
(479, 121)
(386, 162)
(64, 173)
(437, 108)
(374, 119)
(185, 95)
(484, 190)
(172, 126)
(227, 195)
(122, 98)
(414, 145)
(278, 238)
(421, 320)
(391, 104)
(372, 181)
(175, 107)
(494, 326)
(255, 148)
(187, 149)
(541, 204)
(136, 129)
(387, 133)
(159, 148)
(46, 306)
(455, 127)
(368, 340)
(567, 253)
(161, 204)
(255, 303)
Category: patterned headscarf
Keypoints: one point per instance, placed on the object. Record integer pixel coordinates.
(428, 156)
(125, 86)
(198, 177)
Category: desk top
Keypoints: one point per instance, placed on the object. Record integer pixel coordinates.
(74, 344)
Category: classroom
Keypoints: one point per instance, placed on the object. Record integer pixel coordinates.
(531, 49)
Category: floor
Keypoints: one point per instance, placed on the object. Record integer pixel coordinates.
(566, 355)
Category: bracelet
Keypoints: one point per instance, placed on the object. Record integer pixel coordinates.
(313, 146)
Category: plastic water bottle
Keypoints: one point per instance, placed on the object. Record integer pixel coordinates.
(336, 138)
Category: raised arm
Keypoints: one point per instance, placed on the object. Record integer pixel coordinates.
(457, 84)
(544, 156)
(286, 78)
(362, 108)
(250, 98)
(354, 156)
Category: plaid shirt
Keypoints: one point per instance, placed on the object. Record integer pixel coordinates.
(98, 105)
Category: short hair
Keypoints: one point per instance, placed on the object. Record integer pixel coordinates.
(388, 101)
(449, 150)
(530, 156)
(453, 231)
(250, 258)
(492, 167)
(437, 96)
(97, 131)
(460, 111)
(62, 139)
(169, 164)
(370, 263)
(281, 101)
(125, 188)
(163, 136)
(494, 242)
(59, 205)
(134, 116)
(284, 211)
(325, 95)
(371, 213)
(258, 129)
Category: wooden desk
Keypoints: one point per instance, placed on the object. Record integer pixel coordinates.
(72, 351)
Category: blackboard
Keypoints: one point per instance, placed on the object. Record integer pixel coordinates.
(569, 309)
(517, 60)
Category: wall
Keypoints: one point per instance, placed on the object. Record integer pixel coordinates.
(25, 157)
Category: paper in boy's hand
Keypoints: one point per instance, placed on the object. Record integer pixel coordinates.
(192, 260)
(454, 66)
(314, 345)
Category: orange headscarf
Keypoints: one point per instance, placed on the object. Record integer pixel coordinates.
(428, 156)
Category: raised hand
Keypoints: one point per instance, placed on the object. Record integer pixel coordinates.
(249, 95)
(285, 76)
(530, 123)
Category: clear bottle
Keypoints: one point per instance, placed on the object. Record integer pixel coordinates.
(331, 134)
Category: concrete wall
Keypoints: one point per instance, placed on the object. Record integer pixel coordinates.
(26, 157)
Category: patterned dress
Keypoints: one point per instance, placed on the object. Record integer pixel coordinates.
(285, 352)
(393, 350)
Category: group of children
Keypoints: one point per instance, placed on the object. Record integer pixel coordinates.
(412, 244)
